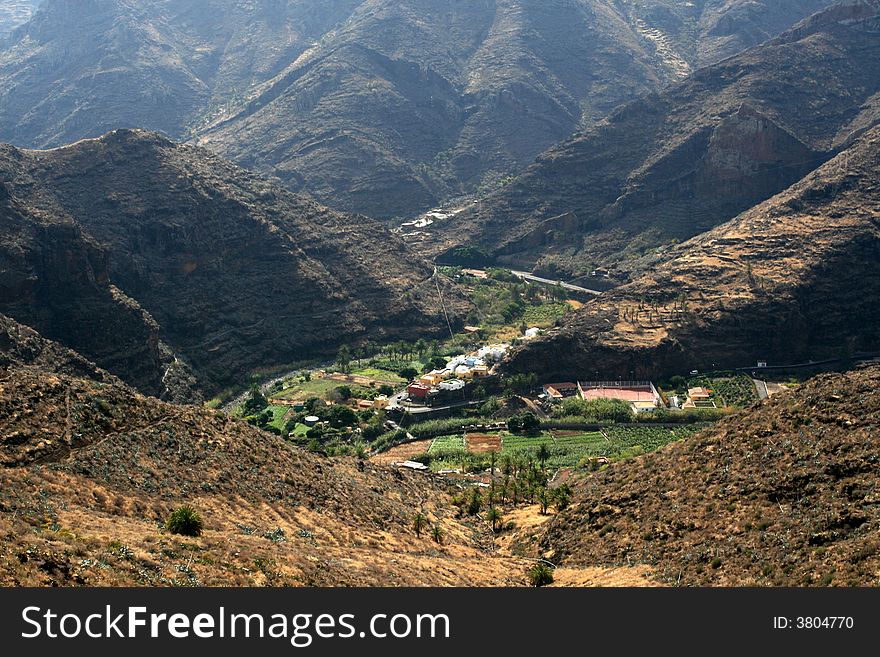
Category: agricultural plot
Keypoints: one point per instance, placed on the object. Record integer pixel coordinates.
(446, 444)
(482, 443)
(566, 449)
(626, 441)
(571, 449)
(737, 392)
(278, 415)
(304, 390)
(379, 375)
(545, 315)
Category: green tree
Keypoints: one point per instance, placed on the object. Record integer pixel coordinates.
(340, 416)
(419, 523)
(562, 496)
(530, 423)
(475, 503)
(543, 454)
(343, 393)
(494, 516)
(386, 390)
(255, 403)
(408, 373)
(437, 534)
(544, 498)
(514, 424)
(343, 359)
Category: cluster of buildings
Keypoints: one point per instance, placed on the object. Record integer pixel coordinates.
(458, 373)
(642, 396)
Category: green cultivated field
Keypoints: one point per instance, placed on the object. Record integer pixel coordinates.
(446, 443)
(567, 449)
(278, 413)
(307, 389)
(545, 315)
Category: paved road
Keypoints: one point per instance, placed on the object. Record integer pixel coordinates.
(526, 276)
(761, 387)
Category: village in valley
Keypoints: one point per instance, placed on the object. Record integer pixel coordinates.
(446, 409)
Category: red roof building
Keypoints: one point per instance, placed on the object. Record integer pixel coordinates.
(418, 390)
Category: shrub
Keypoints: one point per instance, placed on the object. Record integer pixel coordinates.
(342, 392)
(540, 575)
(255, 403)
(408, 373)
(185, 522)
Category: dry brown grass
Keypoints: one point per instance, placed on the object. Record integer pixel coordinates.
(483, 443)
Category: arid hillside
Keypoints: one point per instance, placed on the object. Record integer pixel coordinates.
(144, 255)
(784, 494)
(90, 472)
(21, 346)
(792, 280)
(675, 164)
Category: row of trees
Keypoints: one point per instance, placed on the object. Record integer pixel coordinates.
(400, 353)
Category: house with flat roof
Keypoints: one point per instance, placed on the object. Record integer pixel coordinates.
(558, 391)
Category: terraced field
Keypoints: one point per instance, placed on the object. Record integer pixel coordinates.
(567, 449)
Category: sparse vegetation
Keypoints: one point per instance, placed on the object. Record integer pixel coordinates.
(540, 575)
(185, 521)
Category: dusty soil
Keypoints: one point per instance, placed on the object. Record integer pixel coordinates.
(91, 471)
(402, 452)
(482, 443)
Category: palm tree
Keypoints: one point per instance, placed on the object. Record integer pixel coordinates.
(437, 534)
(544, 498)
(494, 516)
(563, 497)
(419, 523)
(505, 486)
(543, 454)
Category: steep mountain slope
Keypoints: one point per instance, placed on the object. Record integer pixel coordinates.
(113, 465)
(784, 494)
(672, 165)
(791, 280)
(56, 279)
(14, 13)
(235, 273)
(22, 347)
(81, 68)
(377, 106)
(411, 101)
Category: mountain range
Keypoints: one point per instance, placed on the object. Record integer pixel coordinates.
(675, 164)
(791, 280)
(376, 106)
(14, 13)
